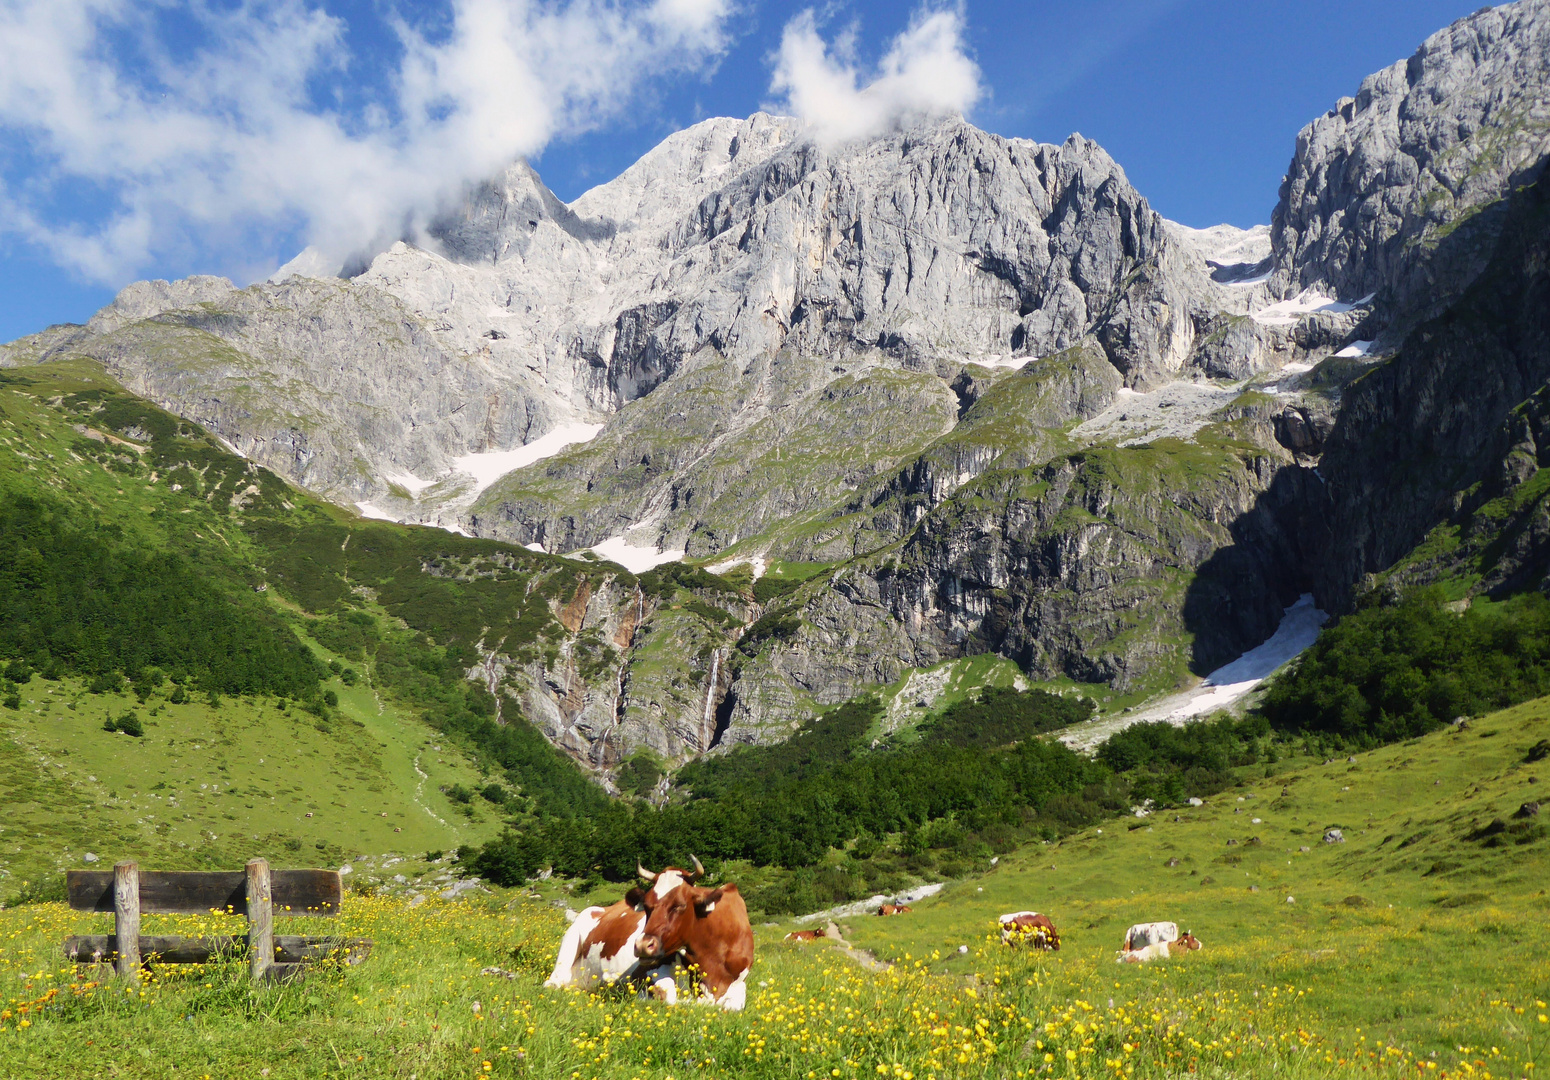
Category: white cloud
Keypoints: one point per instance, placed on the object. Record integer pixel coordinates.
(925, 73)
(182, 151)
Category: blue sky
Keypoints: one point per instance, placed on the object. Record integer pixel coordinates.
(1199, 100)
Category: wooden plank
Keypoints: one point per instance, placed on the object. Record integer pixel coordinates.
(126, 918)
(171, 892)
(260, 920)
(168, 949)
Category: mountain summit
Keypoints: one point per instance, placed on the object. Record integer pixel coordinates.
(969, 395)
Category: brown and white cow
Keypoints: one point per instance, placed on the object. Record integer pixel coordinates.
(708, 928)
(804, 935)
(1030, 928)
(1161, 950)
(894, 909)
(599, 946)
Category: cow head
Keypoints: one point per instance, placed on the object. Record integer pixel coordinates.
(1188, 941)
(660, 884)
(672, 913)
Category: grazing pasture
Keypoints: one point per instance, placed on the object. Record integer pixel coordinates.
(1416, 947)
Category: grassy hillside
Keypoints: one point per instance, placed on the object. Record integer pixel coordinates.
(278, 656)
(206, 787)
(1415, 948)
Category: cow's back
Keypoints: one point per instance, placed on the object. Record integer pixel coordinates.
(721, 945)
(1141, 935)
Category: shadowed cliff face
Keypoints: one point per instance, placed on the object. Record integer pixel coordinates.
(1448, 427)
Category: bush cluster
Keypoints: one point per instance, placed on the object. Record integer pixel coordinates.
(1391, 671)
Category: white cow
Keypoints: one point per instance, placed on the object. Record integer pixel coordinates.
(1141, 935)
(1158, 951)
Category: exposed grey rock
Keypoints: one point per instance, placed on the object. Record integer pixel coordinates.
(1381, 187)
(144, 299)
(1019, 411)
(1446, 432)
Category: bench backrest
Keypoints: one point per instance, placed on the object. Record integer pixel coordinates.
(173, 892)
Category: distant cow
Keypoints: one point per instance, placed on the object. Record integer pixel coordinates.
(1141, 935)
(894, 909)
(1029, 928)
(708, 928)
(1161, 950)
(599, 947)
(803, 935)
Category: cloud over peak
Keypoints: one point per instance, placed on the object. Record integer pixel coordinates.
(925, 73)
(130, 143)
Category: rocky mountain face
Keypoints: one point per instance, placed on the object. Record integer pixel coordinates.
(958, 394)
(1434, 464)
(1382, 185)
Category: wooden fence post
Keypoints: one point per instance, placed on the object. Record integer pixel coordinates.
(260, 920)
(126, 918)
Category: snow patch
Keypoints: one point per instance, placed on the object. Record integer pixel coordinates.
(1356, 348)
(376, 513)
(1299, 628)
(489, 467)
(756, 562)
(534, 547)
(872, 903)
(634, 558)
(408, 481)
(1010, 363)
(1308, 302)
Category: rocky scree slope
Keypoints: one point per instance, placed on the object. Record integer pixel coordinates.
(1008, 406)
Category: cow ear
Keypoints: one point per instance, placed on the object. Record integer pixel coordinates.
(707, 903)
(636, 899)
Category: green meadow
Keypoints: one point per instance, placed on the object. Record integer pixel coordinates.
(207, 785)
(1416, 947)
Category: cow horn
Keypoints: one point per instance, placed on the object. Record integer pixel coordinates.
(699, 871)
(645, 875)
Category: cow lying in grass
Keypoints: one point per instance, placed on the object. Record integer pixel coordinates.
(1031, 929)
(1160, 950)
(599, 946)
(804, 935)
(894, 909)
(707, 929)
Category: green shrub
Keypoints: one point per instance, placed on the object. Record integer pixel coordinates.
(1387, 672)
(129, 724)
(1001, 716)
(639, 775)
(86, 594)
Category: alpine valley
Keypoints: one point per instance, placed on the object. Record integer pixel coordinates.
(765, 428)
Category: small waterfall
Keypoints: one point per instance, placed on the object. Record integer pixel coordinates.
(709, 726)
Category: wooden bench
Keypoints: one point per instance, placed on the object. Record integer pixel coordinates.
(254, 892)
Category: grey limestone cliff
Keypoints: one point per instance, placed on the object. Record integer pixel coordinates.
(1380, 183)
(980, 393)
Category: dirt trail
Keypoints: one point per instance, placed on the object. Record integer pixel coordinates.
(860, 956)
